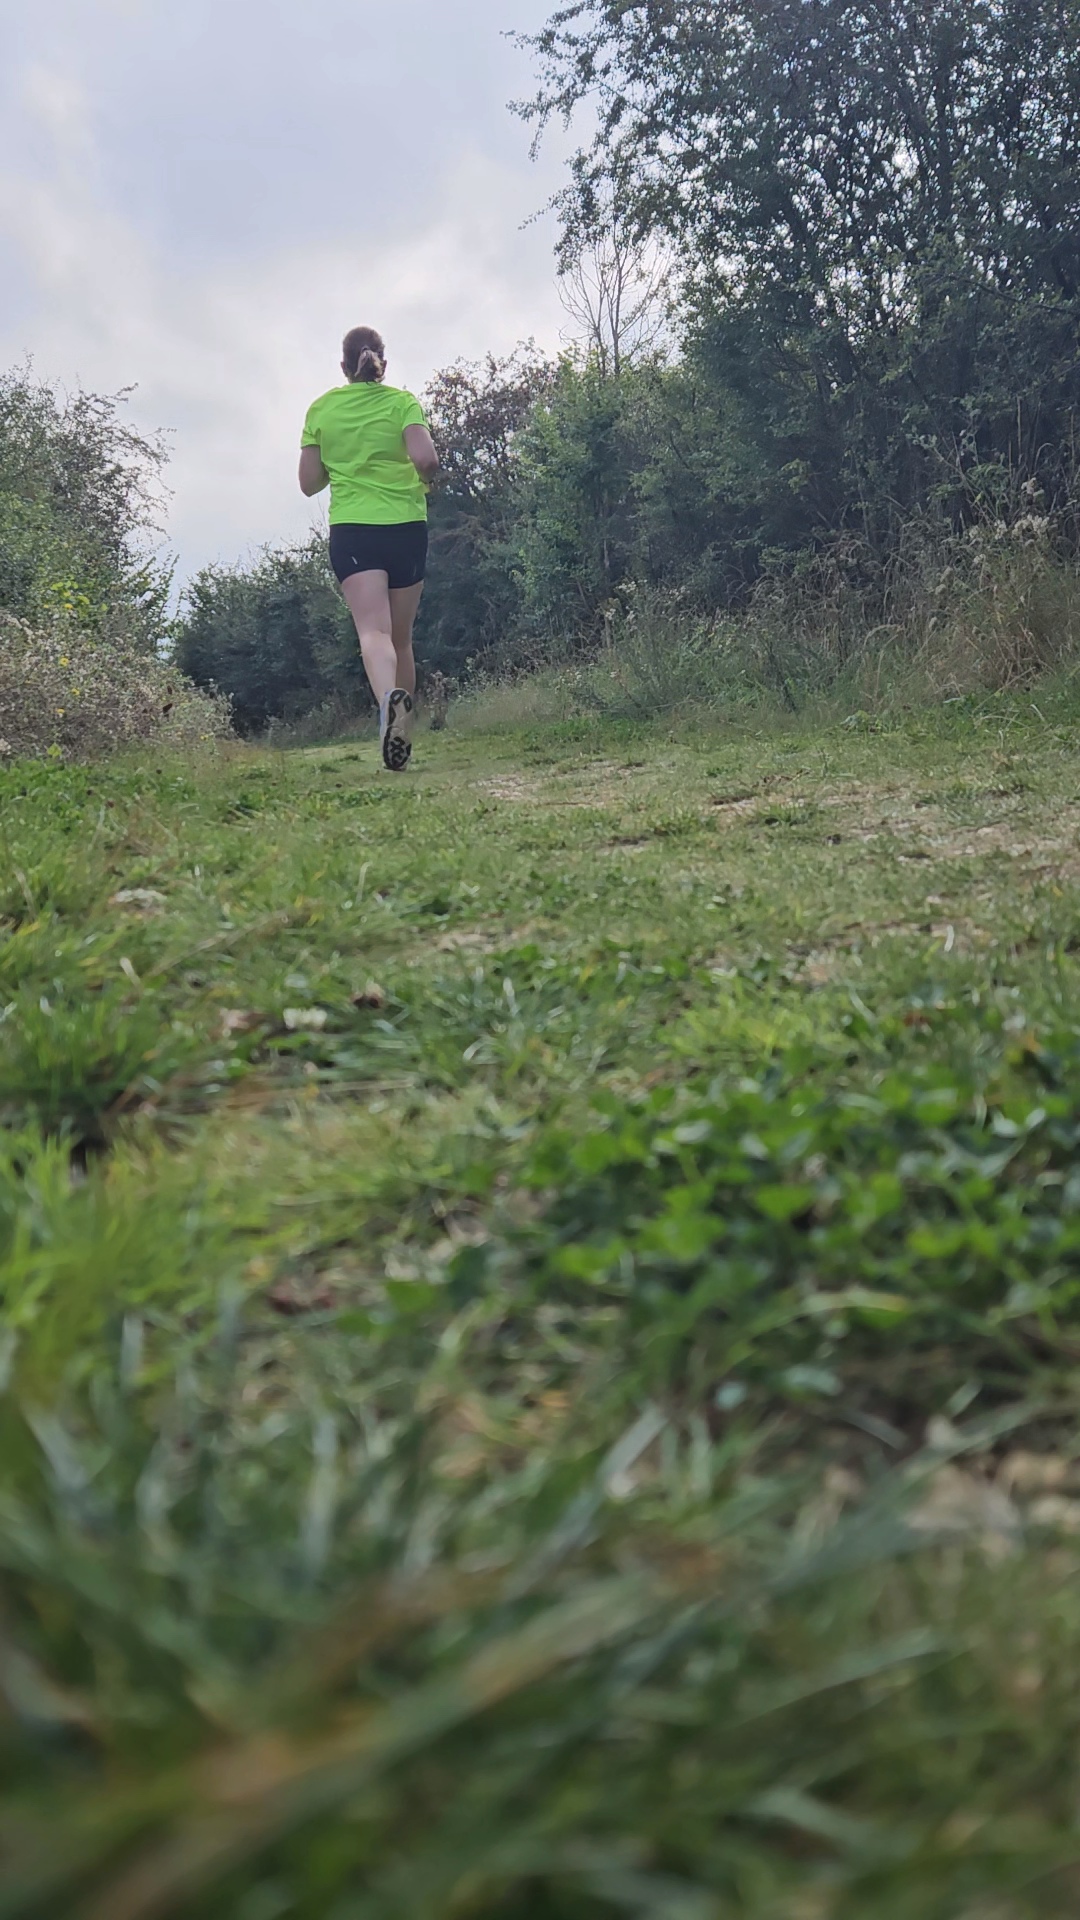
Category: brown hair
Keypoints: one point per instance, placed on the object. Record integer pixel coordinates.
(363, 354)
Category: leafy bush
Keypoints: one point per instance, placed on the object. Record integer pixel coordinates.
(80, 496)
(473, 605)
(81, 695)
(277, 638)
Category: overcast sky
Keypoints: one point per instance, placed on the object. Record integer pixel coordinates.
(197, 197)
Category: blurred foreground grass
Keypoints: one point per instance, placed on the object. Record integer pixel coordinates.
(540, 1337)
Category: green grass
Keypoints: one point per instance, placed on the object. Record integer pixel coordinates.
(540, 1344)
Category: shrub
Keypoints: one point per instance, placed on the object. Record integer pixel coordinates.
(80, 504)
(81, 696)
(277, 638)
(986, 611)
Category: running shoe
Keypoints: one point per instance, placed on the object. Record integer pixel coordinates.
(395, 729)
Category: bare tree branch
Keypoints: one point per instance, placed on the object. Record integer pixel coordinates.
(614, 289)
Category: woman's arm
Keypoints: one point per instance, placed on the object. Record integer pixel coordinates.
(420, 448)
(313, 475)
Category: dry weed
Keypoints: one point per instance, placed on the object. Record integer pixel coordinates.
(77, 697)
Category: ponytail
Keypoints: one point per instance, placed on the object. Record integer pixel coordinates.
(364, 356)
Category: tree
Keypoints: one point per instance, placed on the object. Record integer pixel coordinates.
(613, 288)
(876, 205)
(826, 147)
(277, 638)
(478, 412)
(80, 492)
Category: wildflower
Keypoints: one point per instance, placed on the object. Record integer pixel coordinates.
(1035, 524)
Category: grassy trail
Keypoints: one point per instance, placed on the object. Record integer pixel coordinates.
(517, 1278)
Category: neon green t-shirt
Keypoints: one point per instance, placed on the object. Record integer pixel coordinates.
(359, 430)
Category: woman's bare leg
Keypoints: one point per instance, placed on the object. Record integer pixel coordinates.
(368, 597)
(404, 606)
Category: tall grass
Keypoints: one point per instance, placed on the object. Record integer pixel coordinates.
(991, 610)
(280, 1667)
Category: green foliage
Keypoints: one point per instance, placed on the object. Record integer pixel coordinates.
(575, 520)
(79, 492)
(869, 211)
(602, 1696)
(473, 604)
(82, 596)
(803, 1238)
(548, 1386)
(71, 693)
(277, 639)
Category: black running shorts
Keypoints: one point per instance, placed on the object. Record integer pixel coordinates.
(400, 552)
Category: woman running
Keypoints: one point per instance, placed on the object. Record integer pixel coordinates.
(370, 445)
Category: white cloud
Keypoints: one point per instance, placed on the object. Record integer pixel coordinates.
(227, 351)
(59, 102)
